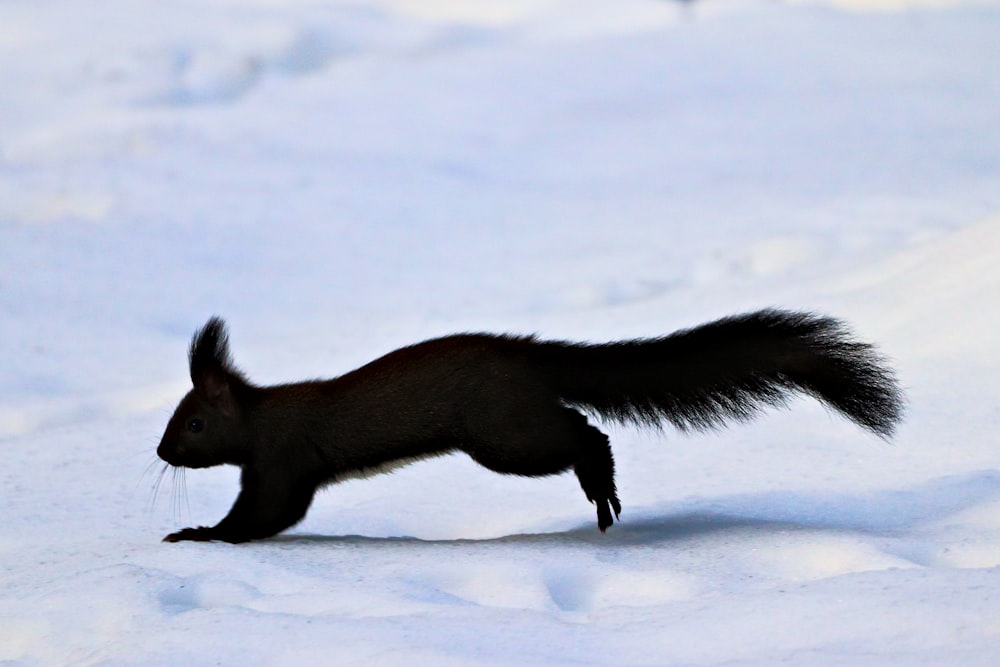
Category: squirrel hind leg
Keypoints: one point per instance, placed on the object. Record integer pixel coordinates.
(595, 469)
(547, 442)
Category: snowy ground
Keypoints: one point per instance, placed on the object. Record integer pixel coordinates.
(341, 178)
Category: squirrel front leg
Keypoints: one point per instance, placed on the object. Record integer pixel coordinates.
(263, 508)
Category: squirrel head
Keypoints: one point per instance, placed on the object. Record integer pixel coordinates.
(205, 429)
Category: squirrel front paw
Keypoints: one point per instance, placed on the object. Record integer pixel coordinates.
(199, 534)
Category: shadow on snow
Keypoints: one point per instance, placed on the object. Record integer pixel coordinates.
(879, 512)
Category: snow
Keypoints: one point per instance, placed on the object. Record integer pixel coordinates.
(341, 178)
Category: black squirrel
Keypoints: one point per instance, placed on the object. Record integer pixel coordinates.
(510, 402)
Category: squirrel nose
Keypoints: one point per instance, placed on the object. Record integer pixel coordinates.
(167, 453)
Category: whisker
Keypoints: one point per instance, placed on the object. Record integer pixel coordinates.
(184, 493)
(142, 477)
(174, 514)
(156, 487)
(143, 452)
(178, 494)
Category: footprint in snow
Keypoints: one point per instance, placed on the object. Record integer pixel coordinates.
(205, 592)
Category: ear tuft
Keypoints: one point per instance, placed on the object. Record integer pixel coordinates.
(209, 353)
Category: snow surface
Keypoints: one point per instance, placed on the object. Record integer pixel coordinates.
(341, 178)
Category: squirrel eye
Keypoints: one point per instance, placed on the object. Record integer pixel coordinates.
(196, 425)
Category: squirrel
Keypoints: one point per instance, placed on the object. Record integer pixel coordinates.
(514, 404)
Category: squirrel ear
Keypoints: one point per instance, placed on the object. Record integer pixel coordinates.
(212, 370)
(215, 386)
(209, 351)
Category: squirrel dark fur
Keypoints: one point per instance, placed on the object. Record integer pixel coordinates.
(512, 403)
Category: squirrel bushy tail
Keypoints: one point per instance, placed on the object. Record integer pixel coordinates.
(728, 370)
